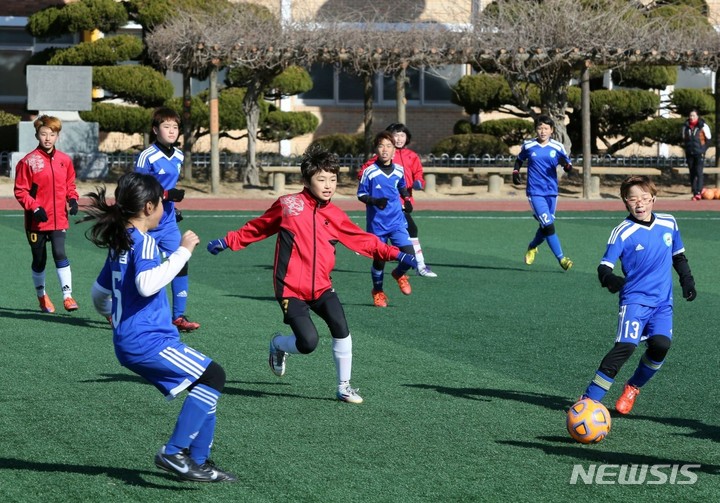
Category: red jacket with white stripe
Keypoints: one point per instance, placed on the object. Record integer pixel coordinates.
(308, 231)
(47, 181)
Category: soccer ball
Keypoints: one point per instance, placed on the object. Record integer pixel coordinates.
(588, 421)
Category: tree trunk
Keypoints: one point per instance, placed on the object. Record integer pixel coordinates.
(214, 133)
(368, 113)
(586, 147)
(188, 138)
(400, 100)
(252, 116)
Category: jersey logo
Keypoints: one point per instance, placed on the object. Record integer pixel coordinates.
(161, 172)
(378, 186)
(36, 163)
(639, 247)
(553, 153)
(667, 237)
(292, 205)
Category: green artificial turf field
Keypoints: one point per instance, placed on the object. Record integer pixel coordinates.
(466, 382)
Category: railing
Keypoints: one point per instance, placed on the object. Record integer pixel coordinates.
(233, 163)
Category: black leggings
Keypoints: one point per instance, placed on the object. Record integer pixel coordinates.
(297, 315)
(38, 241)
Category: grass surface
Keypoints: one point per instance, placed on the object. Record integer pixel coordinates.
(466, 381)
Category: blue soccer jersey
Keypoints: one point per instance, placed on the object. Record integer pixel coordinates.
(542, 166)
(376, 183)
(646, 254)
(153, 161)
(142, 326)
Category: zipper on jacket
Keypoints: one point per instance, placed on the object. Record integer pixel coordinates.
(314, 260)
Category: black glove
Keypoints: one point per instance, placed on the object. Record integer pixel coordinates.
(516, 177)
(407, 206)
(178, 215)
(568, 168)
(614, 283)
(688, 289)
(174, 195)
(39, 214)
(380, 202)
(73, 206)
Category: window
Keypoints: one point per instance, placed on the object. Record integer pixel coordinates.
(331, 85)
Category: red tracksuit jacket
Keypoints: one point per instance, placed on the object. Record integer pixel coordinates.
(305, 250)
(47, 181)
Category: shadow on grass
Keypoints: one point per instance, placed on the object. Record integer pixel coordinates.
(700, 429)
(57, 317)
(105, 378)
(252, 393)
(595, 455)
(125, 475)
(552, 402)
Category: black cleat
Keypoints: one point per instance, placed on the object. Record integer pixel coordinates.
(182, 465)
(218, 474)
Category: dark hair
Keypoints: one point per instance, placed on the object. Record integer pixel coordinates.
(315, 159)
(133, 191)
(544, 119)
(399, 127)
(163, 114)
(640, 180)
(383, 135)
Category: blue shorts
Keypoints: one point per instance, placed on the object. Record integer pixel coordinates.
(173, 369)
(398, 238)
(636, 323)
(543, 208)
(167, 237)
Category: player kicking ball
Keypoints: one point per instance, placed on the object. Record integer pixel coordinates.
(308, 226)
(647, 244)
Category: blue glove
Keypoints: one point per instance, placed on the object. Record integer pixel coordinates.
(407, 259)
(216, 246)
(417, 185)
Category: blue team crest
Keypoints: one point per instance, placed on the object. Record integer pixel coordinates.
(667, 237)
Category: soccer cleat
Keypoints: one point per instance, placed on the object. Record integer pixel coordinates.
(696, 197)
(427, 272)
(566, 263)
(45, 305)
(70, 304)
(379, 298)
(346, 393)
(530, 255)
(185, 325)
(403, 282)
(277, 359)
(218, 475)
(182, 465)
(626, 401)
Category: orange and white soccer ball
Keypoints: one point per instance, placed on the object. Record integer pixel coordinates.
(588, 421)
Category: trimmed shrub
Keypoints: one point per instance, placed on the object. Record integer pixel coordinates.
(470, 144)
(343, 144)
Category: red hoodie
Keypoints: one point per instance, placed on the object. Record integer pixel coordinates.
(47, 181)
(308, 231)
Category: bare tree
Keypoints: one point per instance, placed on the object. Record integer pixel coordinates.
(384, 39)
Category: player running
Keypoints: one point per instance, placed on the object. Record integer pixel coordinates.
(309, 226)
(131, 288)
(647, 244)
(543, 155)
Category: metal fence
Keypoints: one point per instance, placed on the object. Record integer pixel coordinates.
(232, 165)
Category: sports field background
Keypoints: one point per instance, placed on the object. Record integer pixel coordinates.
(465, 382)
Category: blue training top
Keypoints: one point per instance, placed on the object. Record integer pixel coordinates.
(646, 253)
(543, 161)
